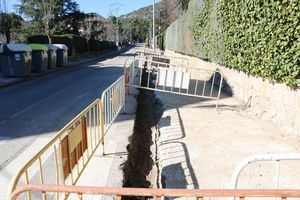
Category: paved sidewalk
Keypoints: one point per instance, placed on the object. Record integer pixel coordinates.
(200, 147)
(109, 166)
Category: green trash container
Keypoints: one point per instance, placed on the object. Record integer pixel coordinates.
(39, 57)
(15, 60)
(52, 56)
(62, 55)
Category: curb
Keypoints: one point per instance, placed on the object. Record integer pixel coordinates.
(69, 67)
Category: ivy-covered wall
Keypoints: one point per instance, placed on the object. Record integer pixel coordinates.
(258, 37)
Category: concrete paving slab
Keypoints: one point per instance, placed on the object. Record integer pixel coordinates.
(200, 147)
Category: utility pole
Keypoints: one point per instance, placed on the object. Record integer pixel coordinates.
(115, 7)
(153, 24)
(130, 36)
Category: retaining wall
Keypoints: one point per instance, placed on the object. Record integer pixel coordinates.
(276, 102)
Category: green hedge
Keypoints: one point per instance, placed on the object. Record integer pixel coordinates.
(94, 45)
(260, 38)
(74, 42)
(263, 38)
(40, 39)
(56, 39)
(112, 45)
(104, 45)
(79, 43)
(66, 40)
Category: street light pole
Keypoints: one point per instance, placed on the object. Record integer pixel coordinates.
(153, 24)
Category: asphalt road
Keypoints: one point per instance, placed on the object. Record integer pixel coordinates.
(40, 108)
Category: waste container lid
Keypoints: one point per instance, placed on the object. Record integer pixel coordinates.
(61, 46)
(15, 48)
(52, 47)
(38, 47)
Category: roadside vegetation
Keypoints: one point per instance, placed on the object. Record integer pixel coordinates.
(260, 38)
(53, 21)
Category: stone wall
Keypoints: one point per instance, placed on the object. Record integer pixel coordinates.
(276, 102)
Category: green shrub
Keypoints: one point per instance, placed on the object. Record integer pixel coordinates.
(260, 38)
(112, 45)
(56, 39)
(39, 39)
(74, 42)
(80, 44)
(94, 45)
(66, 40)
(104, 45)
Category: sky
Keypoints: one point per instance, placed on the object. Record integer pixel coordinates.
(103, 6)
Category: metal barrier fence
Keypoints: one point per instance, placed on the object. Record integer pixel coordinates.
(113, 100)
(162, 77)
(183, 62)
(156, 193)
(259, 158)
(64, 158)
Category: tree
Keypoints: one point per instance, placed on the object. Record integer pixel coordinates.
(117, 26)
(47, 14)
(168, 13)
(72, 23)
(10, 23)
(140, 29)
(91, 28)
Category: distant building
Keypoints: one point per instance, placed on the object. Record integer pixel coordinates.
(95, 26)
(97, 18)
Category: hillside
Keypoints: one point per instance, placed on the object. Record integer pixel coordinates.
(145, 12)
(138, 24)
(166, 10)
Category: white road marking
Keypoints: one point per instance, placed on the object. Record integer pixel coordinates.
(33, 105)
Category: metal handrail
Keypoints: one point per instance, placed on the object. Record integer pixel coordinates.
(258, 158)
(158, 193)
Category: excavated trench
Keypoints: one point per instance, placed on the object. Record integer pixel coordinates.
(140, 169)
